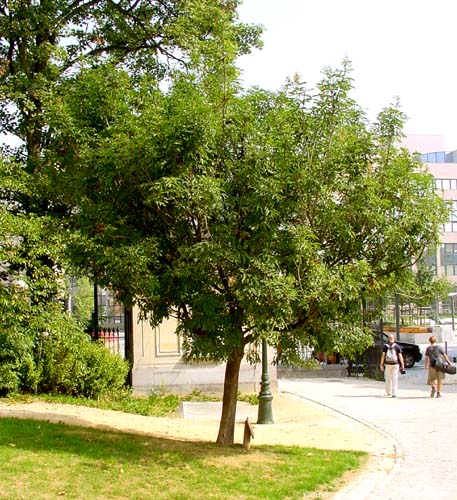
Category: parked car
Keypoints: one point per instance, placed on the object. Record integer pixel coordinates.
(411, 352)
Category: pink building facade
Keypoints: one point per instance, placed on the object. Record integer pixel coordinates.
(443, 166)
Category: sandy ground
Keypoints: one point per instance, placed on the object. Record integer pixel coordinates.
(296, 422)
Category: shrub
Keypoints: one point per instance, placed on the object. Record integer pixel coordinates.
(42, 349)
(17, 367)
(101, 371)
(71, 363)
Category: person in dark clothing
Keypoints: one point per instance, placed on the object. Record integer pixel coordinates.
(434, 378)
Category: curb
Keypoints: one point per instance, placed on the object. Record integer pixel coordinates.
(378, 469)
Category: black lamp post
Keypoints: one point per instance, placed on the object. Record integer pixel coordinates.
(265, 415)
(452, 295)
(96, 311)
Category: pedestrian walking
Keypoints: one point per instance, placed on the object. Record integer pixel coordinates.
(435, 378)
(392, 363)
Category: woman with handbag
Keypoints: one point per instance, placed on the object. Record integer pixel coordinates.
(435, 377)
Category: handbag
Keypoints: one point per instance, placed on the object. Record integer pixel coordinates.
(441, 365)
(449, 369)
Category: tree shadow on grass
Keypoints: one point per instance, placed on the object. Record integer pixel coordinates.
(99, 443)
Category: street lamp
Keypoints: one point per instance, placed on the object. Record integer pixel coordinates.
(95, 313)
(265, 415)
(452, 295)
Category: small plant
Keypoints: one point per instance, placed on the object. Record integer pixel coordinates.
(157, 403)
(198, 395)
(71, 363)
(250, 398)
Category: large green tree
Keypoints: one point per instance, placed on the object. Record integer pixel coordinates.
(247, 216)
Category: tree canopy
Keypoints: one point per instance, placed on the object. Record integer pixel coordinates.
(261, 215)
(43, 42)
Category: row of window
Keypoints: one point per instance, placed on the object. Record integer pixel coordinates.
(439, 157)
(448, 259)
(446, 184)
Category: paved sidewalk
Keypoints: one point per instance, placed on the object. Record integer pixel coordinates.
(420, 430)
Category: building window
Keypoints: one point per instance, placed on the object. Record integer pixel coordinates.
(446, 184)
(451, 225)
(431, 260)
(437, 157)
(448, 257)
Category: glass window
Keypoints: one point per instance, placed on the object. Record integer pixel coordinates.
(436, 157)
(448, 256)
(451, 225)
(446, 184)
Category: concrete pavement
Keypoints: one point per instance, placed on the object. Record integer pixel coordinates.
(420, 431)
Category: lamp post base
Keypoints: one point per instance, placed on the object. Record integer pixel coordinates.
(265, 415)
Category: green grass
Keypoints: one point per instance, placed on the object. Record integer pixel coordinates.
(157, 404)
(42, 460)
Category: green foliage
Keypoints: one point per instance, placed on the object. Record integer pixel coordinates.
(246, 215)
(423, 287)
(83, 299)
(17, 366)
(156, 404)
(71, 363)
(251, 398)
(16, 361)
(44, 350)
(42, 44)
(269, 215)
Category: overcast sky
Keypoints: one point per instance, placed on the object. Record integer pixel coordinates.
(404, 48)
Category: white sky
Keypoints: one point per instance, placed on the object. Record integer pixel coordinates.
(404, 48)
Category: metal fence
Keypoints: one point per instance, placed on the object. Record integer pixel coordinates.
(109, 321)
(408, 313)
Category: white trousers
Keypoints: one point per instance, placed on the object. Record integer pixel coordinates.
(391, 375)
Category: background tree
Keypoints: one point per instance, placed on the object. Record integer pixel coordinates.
(246, 216)
(42, 42)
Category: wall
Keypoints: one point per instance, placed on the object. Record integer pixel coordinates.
(158, 364)
(443, 333)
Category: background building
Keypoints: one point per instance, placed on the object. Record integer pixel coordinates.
(443, 166)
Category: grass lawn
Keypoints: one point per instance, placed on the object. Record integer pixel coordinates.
(42, 460)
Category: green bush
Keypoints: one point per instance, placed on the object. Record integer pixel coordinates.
(102, 372)
(16, 361)
(42, 349)
(17, 367)
(71, 363)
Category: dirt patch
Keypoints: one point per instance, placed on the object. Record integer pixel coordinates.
(297, 422)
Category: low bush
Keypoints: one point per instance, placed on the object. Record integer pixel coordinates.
(46, 351)
(16, 360)
(17, 367)
(69, 362)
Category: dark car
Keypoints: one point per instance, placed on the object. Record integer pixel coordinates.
(411, 352)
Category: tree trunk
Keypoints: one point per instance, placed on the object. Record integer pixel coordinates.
(227, 425)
